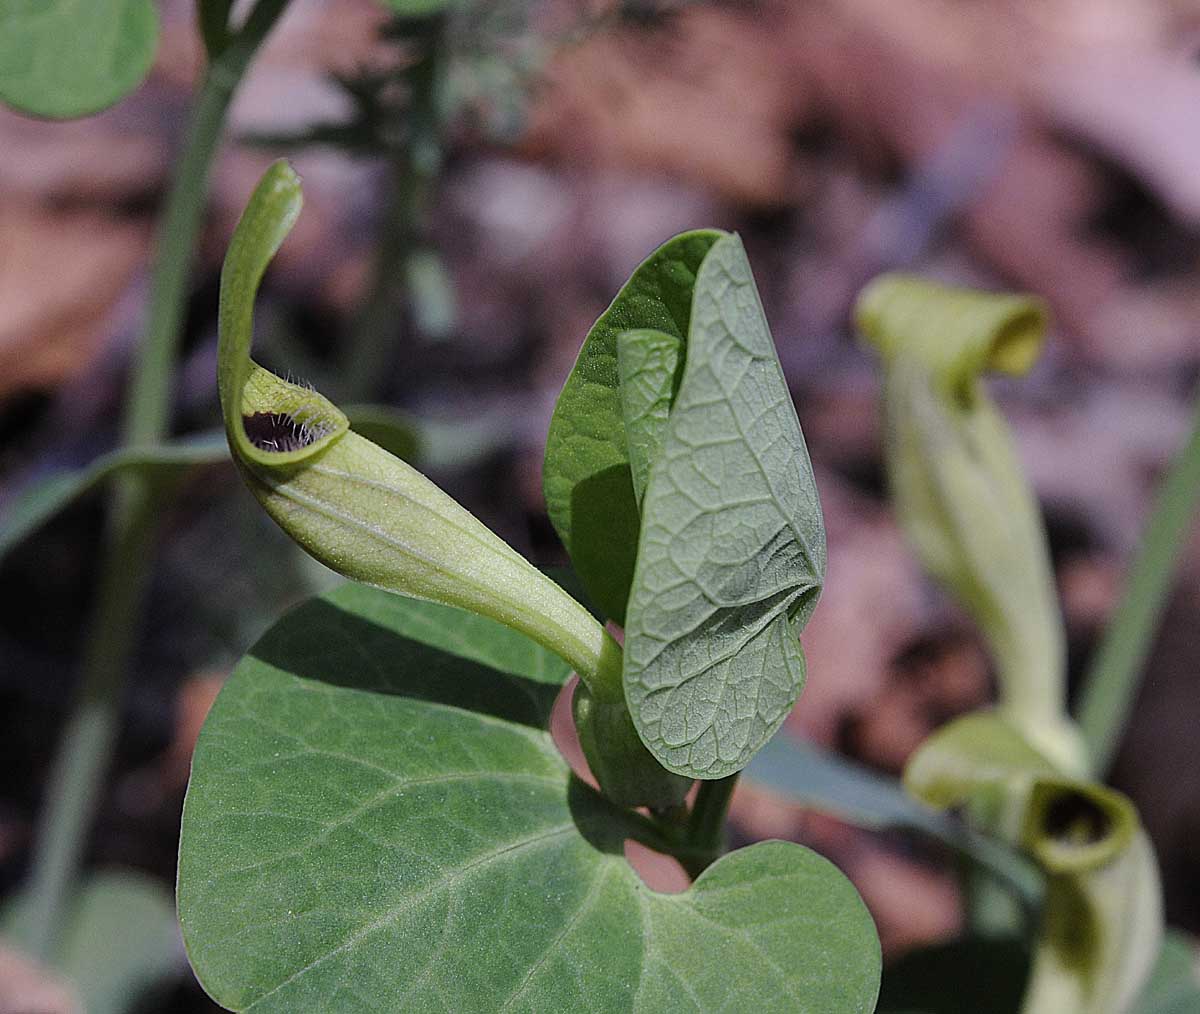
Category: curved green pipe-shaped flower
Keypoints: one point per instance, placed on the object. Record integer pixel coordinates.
(372, 517)
(1102, 922)
(959, 491)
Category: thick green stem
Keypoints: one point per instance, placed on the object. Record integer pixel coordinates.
(86, 747)
(706, 824)
(1112, 679)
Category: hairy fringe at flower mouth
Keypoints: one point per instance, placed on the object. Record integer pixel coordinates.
(281, 431)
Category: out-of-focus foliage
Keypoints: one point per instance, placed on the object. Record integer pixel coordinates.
(67, 58)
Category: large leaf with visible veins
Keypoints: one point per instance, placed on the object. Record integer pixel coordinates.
(373, 824)
(732, 550)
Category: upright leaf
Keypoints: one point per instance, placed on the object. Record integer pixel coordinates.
(731, 556)
(374, 825)
(67, 58)
(586, 475)
(648, 363)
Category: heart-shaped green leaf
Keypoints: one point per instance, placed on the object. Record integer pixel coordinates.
(375, 825)
(586, 475)
(731, 556)
(66, 58)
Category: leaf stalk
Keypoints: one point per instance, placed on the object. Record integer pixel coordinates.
(706, 823)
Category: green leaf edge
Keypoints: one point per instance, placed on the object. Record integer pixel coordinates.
(802, 595)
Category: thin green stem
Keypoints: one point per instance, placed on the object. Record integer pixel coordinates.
(148, 405)
(706, 824)
(368, 359)
(87, 741)
(669, 839)
(212, 18)
(370, 354)
(1112, 680)
(85, 749)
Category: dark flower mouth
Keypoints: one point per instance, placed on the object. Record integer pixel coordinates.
(279, 432)
(1077, 820)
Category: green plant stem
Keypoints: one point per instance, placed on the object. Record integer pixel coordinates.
(148, 404)
(86, 746)
(669, 839)
(212, 18)
(370, 354)
(706, 824)
(1112, 679)
(87, 740)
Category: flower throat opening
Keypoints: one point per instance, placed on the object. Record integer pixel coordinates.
(279, 431)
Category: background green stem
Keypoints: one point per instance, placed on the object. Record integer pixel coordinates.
(85, 749)
(706, 823)
(1112, 679)
(371, 353)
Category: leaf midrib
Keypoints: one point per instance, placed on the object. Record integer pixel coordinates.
(382, 922)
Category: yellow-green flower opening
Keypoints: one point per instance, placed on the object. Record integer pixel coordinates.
(1019, 771)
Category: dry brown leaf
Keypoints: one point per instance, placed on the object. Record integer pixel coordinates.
(712, 99)
(60, 274)
(1105, 95)
(95, 160)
